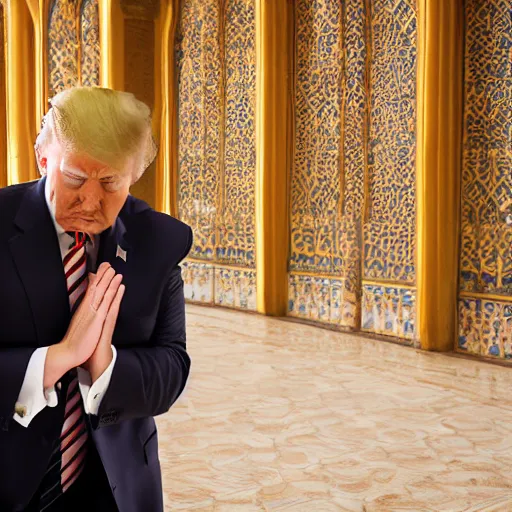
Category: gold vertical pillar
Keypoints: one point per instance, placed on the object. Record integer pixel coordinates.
(272, 156)
(111, 44)
(139, 25)
(38, 11)
(130, 61)
(20, 78)
(440, 98)
(167, 107)
(3, 113)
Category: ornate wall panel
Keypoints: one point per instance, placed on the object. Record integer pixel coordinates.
(486, 260)
(389, 310)
(389, 233)
(319, 244)
(354, 160)
(353, 182)
(200, 76)
(63, 40)
(217, 98)
(315, 185)
(73, 44)
(237, 235)
(390, 213)
(198, 279)
(90, 42)
(485, 327)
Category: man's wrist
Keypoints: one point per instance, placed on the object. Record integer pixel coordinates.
(99, 362)
(58, 361)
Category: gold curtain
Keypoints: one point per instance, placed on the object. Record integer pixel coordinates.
(272, 157)
(20, 85)
(440, 76)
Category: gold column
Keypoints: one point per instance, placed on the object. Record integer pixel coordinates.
(38, 11)
(20, 77)
(272, 155)
(440, 98)
(167, 106)
(3, 113)
(111, 44)
(140, 60)
(130, 61)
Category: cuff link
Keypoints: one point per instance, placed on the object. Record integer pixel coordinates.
(20, 410)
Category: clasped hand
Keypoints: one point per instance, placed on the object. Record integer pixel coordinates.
(88, 341)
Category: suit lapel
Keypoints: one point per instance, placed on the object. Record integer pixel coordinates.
(37, 257)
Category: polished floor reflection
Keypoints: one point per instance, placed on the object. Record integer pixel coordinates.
(280, 416)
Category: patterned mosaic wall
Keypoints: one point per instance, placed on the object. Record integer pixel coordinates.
(353, 181)
(316, 196)
(62, 46)
(485, 327)
(217, 98)
(389, 310)
(315, 187)
(486, 260)
(390, 224)
(73, 44)
(90, 42)
(390, 230)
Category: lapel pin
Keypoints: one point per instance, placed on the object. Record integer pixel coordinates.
(121, 253)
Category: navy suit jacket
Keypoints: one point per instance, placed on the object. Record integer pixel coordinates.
(152, 364)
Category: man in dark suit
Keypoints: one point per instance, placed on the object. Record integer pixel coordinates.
(92, 315)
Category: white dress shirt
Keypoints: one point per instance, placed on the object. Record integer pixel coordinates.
(32, 398)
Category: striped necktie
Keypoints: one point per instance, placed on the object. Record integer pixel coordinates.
(68, 458)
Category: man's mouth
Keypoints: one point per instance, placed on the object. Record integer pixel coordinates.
(87, 220)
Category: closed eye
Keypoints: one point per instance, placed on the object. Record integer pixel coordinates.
(75, 180)
(111, 186)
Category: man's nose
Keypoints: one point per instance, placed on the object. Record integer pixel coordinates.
(92, 196)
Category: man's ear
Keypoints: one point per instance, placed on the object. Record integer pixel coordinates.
(42, 161)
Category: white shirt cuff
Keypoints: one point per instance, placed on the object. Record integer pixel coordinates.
(92, 395)
(33, 398)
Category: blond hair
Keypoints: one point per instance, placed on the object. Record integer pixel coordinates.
(110, 126)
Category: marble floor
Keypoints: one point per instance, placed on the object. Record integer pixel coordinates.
(279, 416)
